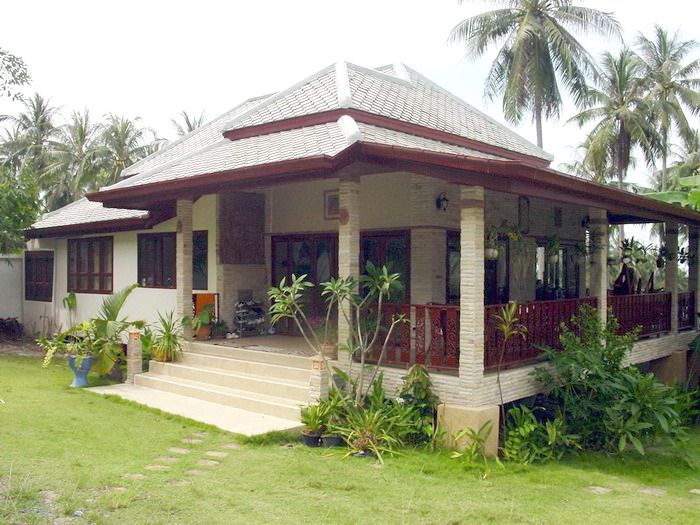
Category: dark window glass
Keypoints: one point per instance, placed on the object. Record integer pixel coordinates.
(38, 276)
(157, 260)
(90, 265)
(392, 249)
(200, 260)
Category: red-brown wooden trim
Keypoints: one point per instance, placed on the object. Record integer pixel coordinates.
(107, 241)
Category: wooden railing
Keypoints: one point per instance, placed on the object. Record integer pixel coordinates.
(650, 311)
(429, 337)
(686, 310)
(542, 319)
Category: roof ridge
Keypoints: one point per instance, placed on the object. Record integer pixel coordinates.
(277, 96)
(342, 85)
(546, 154)
(381, 74)
(170, 145)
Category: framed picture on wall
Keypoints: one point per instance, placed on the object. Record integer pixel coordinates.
(331, 204)
(524, 215)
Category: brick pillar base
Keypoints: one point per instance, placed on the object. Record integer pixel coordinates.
(454, 418)
(133, 355)
(318, 382)
(672, 369)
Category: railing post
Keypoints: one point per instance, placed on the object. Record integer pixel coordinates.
(598, 232)
(671, 232)
(694, 270)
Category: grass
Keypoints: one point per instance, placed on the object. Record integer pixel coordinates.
(63, 450)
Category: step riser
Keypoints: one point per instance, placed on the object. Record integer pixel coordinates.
(257, 356)
(252, 405)
(245, 367)
(294, 393)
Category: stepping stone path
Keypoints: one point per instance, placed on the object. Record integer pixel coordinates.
(166, 459)
(197, 472)
(157, 467)
(192, 441)
(652, 491)
(232, 446)
(599, 490)
(178, 482)
(200, 434)
(207, 463)
(216, 454)
(116, 490)
(178, 450)
(695, 491)
(137, 477)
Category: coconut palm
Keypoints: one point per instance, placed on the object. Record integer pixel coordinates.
(621, 115)
(36, 129)
(78, 157)
(537, 53)
(189, 123)
(125, 142)
(673, 85)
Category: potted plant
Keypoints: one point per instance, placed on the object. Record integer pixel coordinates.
(77, 344)
(202, 322)
(329, 346)
(315, 421)
(491, 243)
(552, 249)
(219, 329)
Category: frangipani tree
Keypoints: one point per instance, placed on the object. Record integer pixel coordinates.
(362, 311)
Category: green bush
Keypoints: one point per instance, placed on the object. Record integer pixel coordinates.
(416, 393)
(610, 407)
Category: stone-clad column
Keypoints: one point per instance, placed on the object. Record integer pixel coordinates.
(671, 243)
(471, 316)
(598, 231)
(694, 267)
(183, 256)
(133, 355)
(348, 247)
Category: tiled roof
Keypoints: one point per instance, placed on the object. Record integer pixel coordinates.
(395, 91)
(84, 211)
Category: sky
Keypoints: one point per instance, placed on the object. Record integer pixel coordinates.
(153, 59)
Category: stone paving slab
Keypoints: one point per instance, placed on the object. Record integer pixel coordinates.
(224, 417)
(208, 463)
(216, 454)
(179, 450)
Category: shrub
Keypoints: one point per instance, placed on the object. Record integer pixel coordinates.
(473, 455)
(608, 406)
(11, 328)
(416, 394)
(167, 338)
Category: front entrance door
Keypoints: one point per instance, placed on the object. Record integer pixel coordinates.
(313, 255)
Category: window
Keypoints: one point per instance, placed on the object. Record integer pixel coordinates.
(90, 265)
(38, 276)
(393, 249)
(557, 274)
(157, 260)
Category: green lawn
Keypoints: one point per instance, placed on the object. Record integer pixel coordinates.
(63, 450)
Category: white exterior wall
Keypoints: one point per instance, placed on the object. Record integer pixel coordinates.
(11, 286)
(144, 303)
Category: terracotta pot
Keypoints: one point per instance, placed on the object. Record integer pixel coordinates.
(204, 332)
(330, 351)
(553, 259)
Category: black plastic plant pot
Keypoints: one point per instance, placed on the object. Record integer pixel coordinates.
(311, 440)
(331, 440)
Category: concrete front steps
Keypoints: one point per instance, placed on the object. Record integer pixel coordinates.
(263, 382)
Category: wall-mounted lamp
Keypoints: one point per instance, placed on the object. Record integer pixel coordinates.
(442, 202)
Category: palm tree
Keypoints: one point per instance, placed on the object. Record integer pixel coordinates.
(189, 123)
(621, 114)
(125, 143)
(673, 85)
(537, 52)
(35, 128)
(78, 156)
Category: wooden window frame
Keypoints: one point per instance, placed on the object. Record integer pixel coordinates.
(382, 236)
(173, 235)
(89, 243)
(31, 287)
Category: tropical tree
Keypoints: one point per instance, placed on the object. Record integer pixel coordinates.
(13, 75)
(77, 158)
(673, 86)
(19, 206)
(537, 53)
(621, 115)
(35, 131)
(187, 123)
(125, 142)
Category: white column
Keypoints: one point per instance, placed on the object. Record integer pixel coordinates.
(671, 285)
(471, 316)
(183, 255)
(694, 268)
(598, 230)
(348, 244)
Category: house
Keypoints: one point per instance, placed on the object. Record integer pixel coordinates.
(348, 165)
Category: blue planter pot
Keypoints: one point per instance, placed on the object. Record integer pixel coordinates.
(80, 379)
